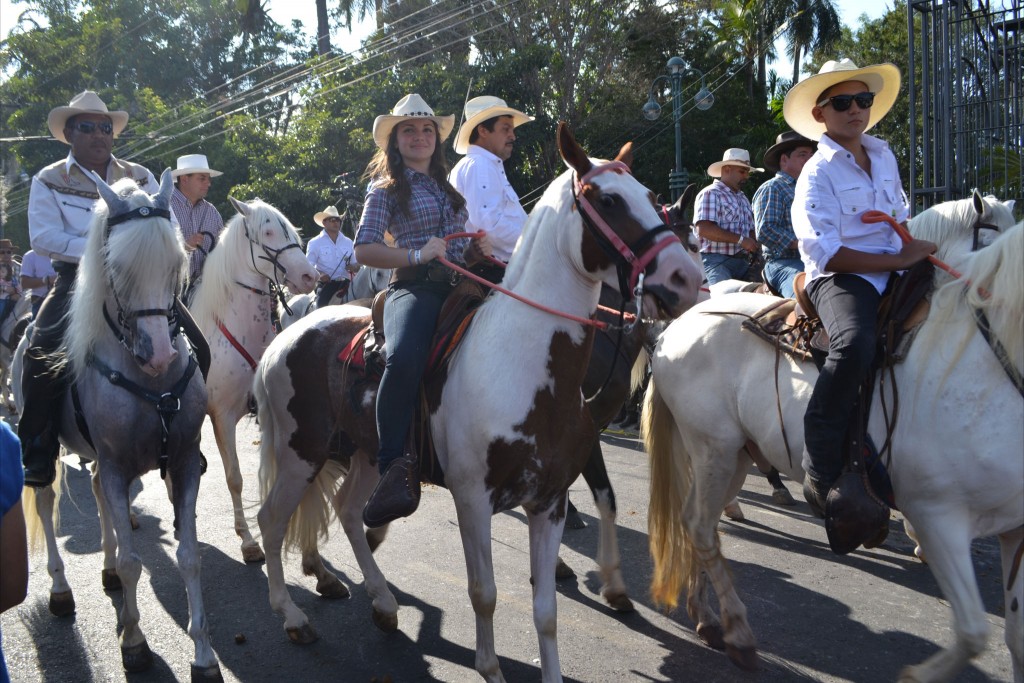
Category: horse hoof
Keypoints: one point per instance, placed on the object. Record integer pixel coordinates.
(712, 635)
(62, 604)
(206, 674)
(333, 590)
(563, 572)
(782, 496)
(253, 554)
(620, 602)
(734, 512)
(744, 657)
(136, 658)
(303, 635)
(388, 623)
(111, 581)
(574, 521)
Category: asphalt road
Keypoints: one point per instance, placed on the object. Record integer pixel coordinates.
(818, 617)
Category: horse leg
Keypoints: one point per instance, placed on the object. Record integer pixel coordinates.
(474, 516)
(613, 589)
(1011, 546)
(946, 538)
(186, 486)
(62, 601)
(224, 431)
(108, 541)
(348, 504)
(545, 537)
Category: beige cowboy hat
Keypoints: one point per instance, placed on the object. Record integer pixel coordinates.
(6, 244)
(478, 110)
(409, 107)
(881, 79)
(784, 144)
(329, 212)
(194, 163)
(734, 156)
(85, 102)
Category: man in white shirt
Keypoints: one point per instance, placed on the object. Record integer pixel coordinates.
(333, 256)
(37, 276)
(487, 139)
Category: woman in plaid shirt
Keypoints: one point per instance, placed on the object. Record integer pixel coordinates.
(411, 199)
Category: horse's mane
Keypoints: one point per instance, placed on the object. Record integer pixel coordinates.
(552, 204)
(217, 287)
(995, 276)
(950, 224)
(146, 255)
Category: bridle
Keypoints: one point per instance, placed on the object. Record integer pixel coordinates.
(273, 256)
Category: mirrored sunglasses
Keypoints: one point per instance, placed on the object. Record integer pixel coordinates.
(89, 127)
(864, 100)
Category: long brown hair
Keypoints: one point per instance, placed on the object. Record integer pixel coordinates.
(387, 169)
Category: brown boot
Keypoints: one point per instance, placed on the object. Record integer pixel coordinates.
(397, 493)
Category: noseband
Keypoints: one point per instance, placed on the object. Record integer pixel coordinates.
(274, 257)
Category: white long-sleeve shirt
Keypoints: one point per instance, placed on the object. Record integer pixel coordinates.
(492, 203)
(331, 258)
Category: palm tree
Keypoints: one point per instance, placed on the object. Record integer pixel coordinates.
(746, 30)
(813, 25)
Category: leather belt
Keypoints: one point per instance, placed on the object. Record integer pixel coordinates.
(427, 272)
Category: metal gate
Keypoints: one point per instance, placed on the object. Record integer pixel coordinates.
(966, 99)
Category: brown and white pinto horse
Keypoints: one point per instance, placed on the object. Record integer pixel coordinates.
(520, 440)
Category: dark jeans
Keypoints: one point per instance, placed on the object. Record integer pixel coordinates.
(848, 306)
(410, 318)
(329, 289)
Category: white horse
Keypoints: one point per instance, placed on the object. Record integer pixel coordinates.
(956, 464)
(365, 284)
(521, 438)
(258, 253)
(140, 394)
(10, 334)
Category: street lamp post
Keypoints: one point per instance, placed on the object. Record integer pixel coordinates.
(703, 101)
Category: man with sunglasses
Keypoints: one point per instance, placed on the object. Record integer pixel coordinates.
(60, 210)
(848, 262)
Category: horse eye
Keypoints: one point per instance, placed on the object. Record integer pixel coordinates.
(609, 201)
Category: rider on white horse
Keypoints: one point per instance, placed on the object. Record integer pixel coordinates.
(60, 210)
(332, 254)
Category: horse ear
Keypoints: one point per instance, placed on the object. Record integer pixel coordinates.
(979, 202)
(163, 198)
(115, 204)
(626, 154)
(1009, 204)
(240, 206)
(571, 152)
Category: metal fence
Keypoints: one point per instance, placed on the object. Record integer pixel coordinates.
(966, 99)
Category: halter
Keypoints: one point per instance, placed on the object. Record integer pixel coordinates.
(273, 256)
(625, 256)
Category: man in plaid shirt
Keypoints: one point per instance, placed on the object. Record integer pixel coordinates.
(199, 221)
(772, 203)
(725, 222)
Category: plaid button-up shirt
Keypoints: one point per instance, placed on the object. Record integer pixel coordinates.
(430, 215)
(773, 219)
(729, 209)
(203, 217)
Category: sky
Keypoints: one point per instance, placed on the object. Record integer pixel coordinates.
(283, 11)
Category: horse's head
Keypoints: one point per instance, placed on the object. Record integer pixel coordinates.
(132, 269)
(625, 242)
(675, 216)
(963, 225)
(275, 248)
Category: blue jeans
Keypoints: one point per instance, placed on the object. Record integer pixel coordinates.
(718, 267)
(779, 273)
(410, 318)
(848, 306)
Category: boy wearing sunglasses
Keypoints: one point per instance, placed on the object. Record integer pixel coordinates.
(848, 262)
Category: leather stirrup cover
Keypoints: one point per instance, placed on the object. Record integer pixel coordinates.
(853, 514)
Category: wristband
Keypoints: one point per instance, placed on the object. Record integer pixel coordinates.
(408, 256)
(418, 257)
(739, 239)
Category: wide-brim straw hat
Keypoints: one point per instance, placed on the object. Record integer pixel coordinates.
(194, 163)
(480, 109)
(410, 107)
(881, 79)
(734, 156)
(85, 102)
(784, 144)
(329, 212)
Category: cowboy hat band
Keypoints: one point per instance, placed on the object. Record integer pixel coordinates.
(85, 102)
(194, 163)
(784, 144)
(480, 109)
(329, 212)
(881, 79)
(734, 156)
(409, 107)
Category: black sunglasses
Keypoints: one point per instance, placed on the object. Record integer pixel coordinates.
(864, 100)
(89, 127)
(6, 252)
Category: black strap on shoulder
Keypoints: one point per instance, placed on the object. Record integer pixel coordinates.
(1004, 358)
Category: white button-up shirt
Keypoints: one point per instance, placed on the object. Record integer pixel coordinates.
(492, 203)
(332, 258)
(833, 192)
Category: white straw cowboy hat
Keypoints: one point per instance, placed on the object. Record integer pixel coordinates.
(329, 212)
(478, 110)
(734, 156)
(194, 163)
(85, 102)
(881, 79)
(409, 107)
(784, 144)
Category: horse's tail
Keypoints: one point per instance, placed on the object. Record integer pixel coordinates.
(671, 476)
(33, 522)
(639, 372)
